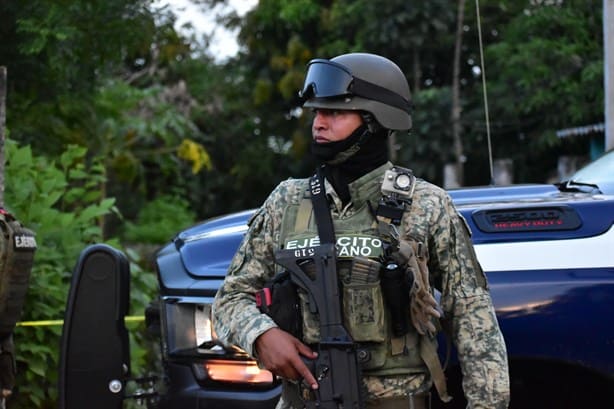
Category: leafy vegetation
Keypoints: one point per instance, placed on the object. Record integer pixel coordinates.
(61, 201)
(124, 131)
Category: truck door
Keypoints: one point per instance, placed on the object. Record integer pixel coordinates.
(95, 357)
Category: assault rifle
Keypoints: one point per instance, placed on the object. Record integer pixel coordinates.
(336, 368)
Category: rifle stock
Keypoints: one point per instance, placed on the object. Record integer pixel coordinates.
(336, 368)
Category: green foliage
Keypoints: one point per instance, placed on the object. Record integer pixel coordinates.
(429, 145)
(138, 127)
(97, 34)
(298, 12)
(63, 207)
(159, 220)
(95, 74)
(545, 74)
(61, 201)
(58, 199)
(544, 65)
(543, 57)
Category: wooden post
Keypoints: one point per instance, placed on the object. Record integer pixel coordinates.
(2, 127)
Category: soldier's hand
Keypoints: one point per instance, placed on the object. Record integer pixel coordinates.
(280, 353)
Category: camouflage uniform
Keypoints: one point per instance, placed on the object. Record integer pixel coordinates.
(454, 270)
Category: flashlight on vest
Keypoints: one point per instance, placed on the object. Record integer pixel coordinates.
(396, 283)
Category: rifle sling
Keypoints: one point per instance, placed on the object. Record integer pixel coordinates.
(321, 208)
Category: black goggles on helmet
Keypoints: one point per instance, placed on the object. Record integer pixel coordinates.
(328, 79)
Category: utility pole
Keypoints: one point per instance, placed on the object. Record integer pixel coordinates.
(455, 115)
(608, 71)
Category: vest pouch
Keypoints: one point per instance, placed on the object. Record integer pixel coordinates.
(281, 303)
(382, 361)
(363, 311)
(311, 321)
(377, 353)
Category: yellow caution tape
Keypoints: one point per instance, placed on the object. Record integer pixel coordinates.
(48, 323)
(40, 323)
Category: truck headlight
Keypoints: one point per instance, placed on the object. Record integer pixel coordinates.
(203, 328)
(188, 327)
(246, 372)
(189, 333)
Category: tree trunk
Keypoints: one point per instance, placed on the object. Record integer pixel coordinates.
(417, 71)
(456, 105)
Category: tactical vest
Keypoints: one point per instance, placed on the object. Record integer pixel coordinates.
(17, 247)
(359, 247)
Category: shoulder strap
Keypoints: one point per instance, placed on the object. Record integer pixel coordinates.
(303, 214)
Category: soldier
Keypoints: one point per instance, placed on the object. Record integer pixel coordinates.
(358, 100)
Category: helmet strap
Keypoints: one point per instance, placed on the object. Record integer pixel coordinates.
(371, 122)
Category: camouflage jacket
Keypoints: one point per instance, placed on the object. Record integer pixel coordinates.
(454, 270)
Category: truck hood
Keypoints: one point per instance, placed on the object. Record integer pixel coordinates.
(492, 213)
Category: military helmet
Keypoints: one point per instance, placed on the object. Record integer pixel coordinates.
(360, 81)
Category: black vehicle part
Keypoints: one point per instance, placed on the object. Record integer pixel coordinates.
(95, 357)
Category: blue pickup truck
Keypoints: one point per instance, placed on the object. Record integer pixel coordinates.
(548, 251)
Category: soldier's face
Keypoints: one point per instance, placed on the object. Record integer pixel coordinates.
(332, 125)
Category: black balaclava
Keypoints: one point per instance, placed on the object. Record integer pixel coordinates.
(347, 160)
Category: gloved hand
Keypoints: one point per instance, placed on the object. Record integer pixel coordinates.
(423, 308)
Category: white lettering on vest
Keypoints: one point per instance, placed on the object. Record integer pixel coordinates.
(347, 246)
(25, 242)
(303, 243)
